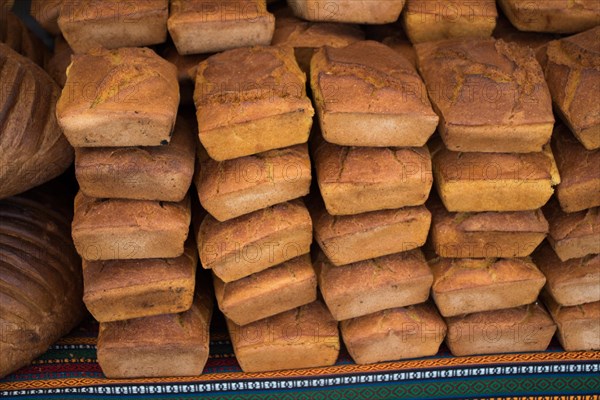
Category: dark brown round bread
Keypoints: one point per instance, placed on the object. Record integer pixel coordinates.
(32, 147)
(15, 34)
(40, 278)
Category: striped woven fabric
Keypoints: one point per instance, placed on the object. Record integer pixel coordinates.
(69, 371)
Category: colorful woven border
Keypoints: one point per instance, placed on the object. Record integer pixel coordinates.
(69, 371)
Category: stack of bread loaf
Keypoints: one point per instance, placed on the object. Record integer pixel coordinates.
(570, 260)
(493, 171)
(254, 120)
(395, 270)
(374, 175)
(134, 163)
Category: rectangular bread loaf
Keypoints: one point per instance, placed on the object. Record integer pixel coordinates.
(560, 16)
(125, 289)
(521, 329)
(471, 182)
(111, 24)
(485, 234)
(231, 188)
(158, 346)
(352, 11)
(578, 327)
(367, 94)
(143, 173)
(355, 180)
(347, 239)
(427, 21)
(278, 289)
(254, 242)
(491, 96)
(394, 334)
(370, 286)
(462, 286)
(116, 229)
(305, 337)
(306, 37)
(251, 100)
(571, 69)
(110, 92)
(200, 26)
(571, 282)
(506, 31)
(579, 169)
(575, 234)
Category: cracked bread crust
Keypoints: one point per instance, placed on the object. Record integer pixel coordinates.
(462, 286)
(304, 337)
(572, 69)
(573, 235)
(272, 291)
(251, 100)
(570, 282)
(352, 238)
(388, 105)
(373, 285)
(354, 180)
(521, 329)
(491, 96)
(231, 188)
(485, 234)
(559, 16)
(579, 169)
(394, 334)
(109, 92)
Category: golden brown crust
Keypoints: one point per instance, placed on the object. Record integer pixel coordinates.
(350, 11)
(33, 149)
(533, 314)
(364, 81)
(294, 32)
(129, 229)
(256, 90)
(369, 286)
(231, 188)
(426, 21)
(570, 282)
(588, 311)
(481, 87)
(129, 89)
(572, 69)
(161, 345)
(579, 170)
(40, 283)
(378, 325)
(254, 242)
(560, 16)
(534, 40)
(112, 24)
(304, 337)
(571, 225)
(459, 274)
(269, 292)
(198, 26)
(125, 289)
(143, 173)
(493, 181)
